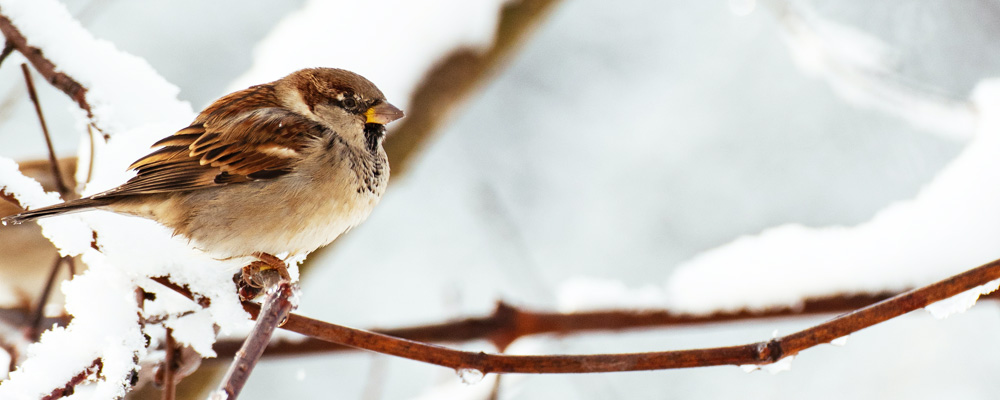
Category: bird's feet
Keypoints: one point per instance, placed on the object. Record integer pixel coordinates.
(261, 274)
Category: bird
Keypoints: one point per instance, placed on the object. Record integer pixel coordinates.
(278, 168)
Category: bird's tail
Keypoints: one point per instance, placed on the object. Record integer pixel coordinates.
(69, 206)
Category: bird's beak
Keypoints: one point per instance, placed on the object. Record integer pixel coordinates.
(383, 113)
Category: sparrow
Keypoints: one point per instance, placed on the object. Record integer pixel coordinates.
(282, 167)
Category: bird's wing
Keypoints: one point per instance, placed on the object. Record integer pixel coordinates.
(242, 137)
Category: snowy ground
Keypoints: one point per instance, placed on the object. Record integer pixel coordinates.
(632, 143)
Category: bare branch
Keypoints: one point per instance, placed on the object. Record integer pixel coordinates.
(276, 309)
(53, 161)
(44, 66)
(508, 323)
(8, 48)
(753, 353)
(169, 366)
(39, 315)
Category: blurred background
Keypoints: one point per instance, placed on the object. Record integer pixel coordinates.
(617, 140)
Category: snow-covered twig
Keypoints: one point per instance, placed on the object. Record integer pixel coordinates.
(43, 65)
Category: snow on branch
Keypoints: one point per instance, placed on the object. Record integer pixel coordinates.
(133, 106)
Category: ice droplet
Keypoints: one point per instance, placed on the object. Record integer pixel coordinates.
(961, 302)
(841, 341)
(470, 376)
(748, 368)
(784, 364)
(218, 395)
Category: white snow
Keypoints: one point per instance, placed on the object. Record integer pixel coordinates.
(777, 367)
(135, 106)
(470, 376)
(864, 71)
(4, 362)
(393, 45)
(587, 294)
(899, 248)
(961, 302)
(551, 220)
(111, 76)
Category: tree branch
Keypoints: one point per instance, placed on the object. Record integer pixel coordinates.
(44, 66)
(508, 323)
(753, 353)
(276, 309)
(92, 370)
(169, 367)
(64, 189)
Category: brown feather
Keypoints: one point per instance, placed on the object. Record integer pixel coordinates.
(243, 136)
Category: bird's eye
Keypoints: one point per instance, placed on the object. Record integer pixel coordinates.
(349, 103)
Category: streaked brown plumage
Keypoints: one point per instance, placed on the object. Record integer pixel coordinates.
(280, 167)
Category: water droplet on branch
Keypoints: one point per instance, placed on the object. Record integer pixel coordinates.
(470, 376)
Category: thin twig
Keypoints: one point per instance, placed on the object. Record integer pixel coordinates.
(277, 306)
(39, 313)
(71, 266)
(93, 370)
(90, 155)
(753, 353)
(44, 66)
(508, 323)
(169, 366)
(53, 161)
(495, 391)
(13, 350)
(8, 48)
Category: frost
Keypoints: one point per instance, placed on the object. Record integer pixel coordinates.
(748, 368)
(961, 302)
(784, 364)
(470, 376)
(218, 395)
(841, 341)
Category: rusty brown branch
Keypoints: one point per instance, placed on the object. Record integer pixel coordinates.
(53, 161)
(507, 323)
(169, 367)
(277, 307)
(8, 48)
(92, 370)
(13, 352)
(753, 353)
(39, 313)
(183, 290)
(44, 66)
(6, 196)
